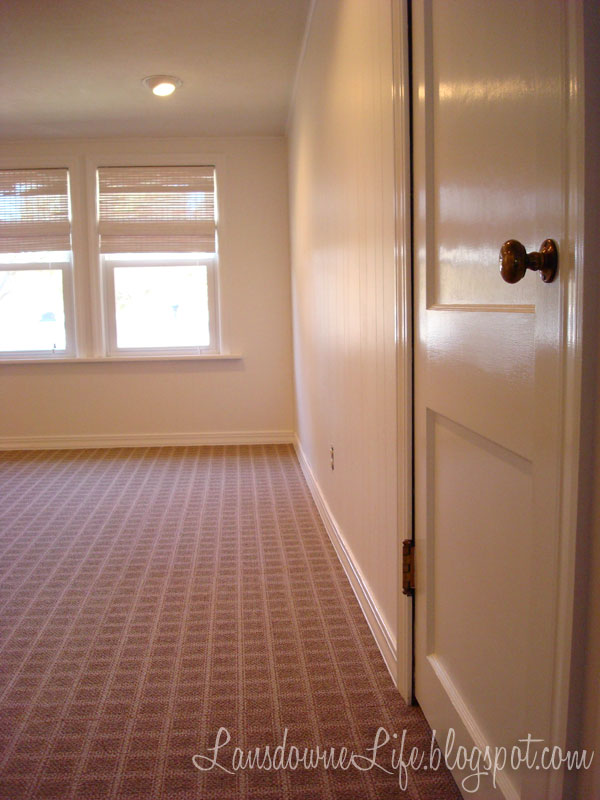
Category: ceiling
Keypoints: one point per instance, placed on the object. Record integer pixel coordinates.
(74, 67)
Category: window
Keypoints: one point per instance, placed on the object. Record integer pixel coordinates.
(157, 229)
(36, 277)
(109, 256)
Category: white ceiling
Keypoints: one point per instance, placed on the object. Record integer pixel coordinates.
(74, 67)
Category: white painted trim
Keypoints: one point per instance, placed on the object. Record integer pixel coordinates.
(79, 442)
(404, 346)
(381, 633)
(560, 781)
(127, 358)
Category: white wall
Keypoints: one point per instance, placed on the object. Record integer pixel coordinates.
(343, 282)
(136, 401)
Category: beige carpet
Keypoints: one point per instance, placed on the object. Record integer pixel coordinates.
(150, 597)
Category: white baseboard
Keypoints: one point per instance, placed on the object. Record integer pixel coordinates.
(385, 640)
(144, 440)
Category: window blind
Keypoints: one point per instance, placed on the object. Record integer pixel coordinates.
(157, 209)
(34, 210)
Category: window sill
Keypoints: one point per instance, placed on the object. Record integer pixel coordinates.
(125, 358)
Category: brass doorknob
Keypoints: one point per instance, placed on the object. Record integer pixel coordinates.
(515, 261)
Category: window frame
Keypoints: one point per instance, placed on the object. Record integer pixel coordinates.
(68, 268)
(108, 266)
(103, 333)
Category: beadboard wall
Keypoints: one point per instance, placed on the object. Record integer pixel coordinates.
(341, 139)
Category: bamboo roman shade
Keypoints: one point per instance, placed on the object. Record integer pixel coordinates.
(157, 209)
(34, 210)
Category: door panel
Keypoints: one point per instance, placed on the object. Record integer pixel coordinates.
(480, 560)
(487, 356)
(480, 84)
(490, 128)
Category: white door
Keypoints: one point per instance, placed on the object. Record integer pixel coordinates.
(491, 116)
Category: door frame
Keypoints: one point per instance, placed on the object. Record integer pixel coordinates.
(576, 328)
(401, 89)
(571, 385)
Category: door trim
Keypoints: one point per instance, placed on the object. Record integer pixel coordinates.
(584, 716)
(572, 375)
(404, 349)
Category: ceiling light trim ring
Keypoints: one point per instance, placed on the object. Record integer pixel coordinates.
(154, 82)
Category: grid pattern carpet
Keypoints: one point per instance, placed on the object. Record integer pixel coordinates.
(150, 597)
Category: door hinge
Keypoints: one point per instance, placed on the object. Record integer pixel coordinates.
(408, 567)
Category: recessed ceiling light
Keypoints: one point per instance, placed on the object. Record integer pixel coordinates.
(162, 85)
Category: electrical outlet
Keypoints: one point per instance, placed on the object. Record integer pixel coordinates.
(332, 456)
